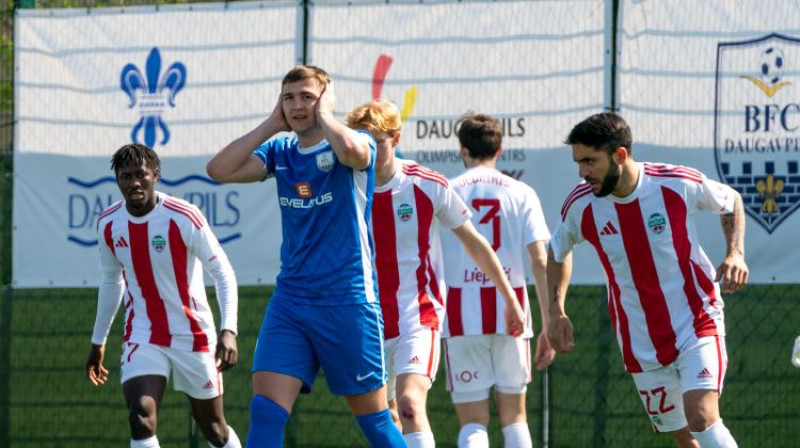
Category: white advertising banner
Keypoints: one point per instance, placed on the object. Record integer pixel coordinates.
(185, 80)
(537, 66)
(701, 85)
(717, 88)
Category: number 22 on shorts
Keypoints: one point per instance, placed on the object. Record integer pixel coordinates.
(657, 395)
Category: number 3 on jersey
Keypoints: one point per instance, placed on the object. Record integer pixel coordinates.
(492, 215)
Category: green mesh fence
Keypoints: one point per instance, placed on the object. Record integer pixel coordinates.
(46, 400)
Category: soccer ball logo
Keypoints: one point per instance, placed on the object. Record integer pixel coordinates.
(772, 65)
(770, 72)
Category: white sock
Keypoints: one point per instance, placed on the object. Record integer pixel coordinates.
(473, 435)
(233, 440)
(715, 436)
(150, 442)
(419, 440)
(516, 435)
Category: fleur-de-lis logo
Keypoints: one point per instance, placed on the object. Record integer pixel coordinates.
(770, 189)
(152, 94)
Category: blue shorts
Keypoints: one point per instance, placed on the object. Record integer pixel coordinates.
(345, 340)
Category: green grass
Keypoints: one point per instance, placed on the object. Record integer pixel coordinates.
(46, 401)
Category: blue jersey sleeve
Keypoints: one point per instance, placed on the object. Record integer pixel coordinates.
(373, 149)
(266, 152)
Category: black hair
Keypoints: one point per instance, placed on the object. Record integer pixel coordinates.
(135, 154)
(605, 131)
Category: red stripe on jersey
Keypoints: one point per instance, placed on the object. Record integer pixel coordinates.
(455, 324)
(427, 313)
(114, 207)
(129, 309)
(662, 170)
(489, 310)
(706, 284)
(386, 261)
(425, 173)
(677, 214)
(589, 231)
(720, 364)
(184, 210)
(143, 271)
(578, 192)
(434, 283)
(645, 279)
(667, 168)
(439, 180)
(109, 238)
(180, 259)
(520, 293)
(675, 175)
(432, 352)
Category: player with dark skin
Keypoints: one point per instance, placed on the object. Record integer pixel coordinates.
(143, 394)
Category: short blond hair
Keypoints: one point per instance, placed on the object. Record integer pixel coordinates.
(376, 116)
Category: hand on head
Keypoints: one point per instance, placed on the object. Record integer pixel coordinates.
(278, 118)
(327, 99)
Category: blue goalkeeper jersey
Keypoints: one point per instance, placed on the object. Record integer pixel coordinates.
(326, 253)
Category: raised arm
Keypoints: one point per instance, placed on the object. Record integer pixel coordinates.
(559, 329)
(480, 251)
(733, 272)
(537, 251)
(236, 163)
(351, 147)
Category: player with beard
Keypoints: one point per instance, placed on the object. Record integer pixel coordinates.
(663, 292)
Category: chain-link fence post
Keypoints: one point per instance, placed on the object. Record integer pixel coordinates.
(545, 407)
(5, 367)
(193, 437)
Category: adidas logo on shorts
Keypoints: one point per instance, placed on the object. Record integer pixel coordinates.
(414, 360)
(705, 374)
(209, 385)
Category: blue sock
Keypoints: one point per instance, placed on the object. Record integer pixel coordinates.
(267, 420)
(380, 430)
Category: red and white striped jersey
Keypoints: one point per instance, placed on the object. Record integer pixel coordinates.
(661, 290)
(509, 215)
(156, 262)
(407, 214)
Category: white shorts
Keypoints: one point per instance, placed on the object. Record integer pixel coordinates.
(701, 366)
(476, 363)
(414, 352)
(194, 373)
